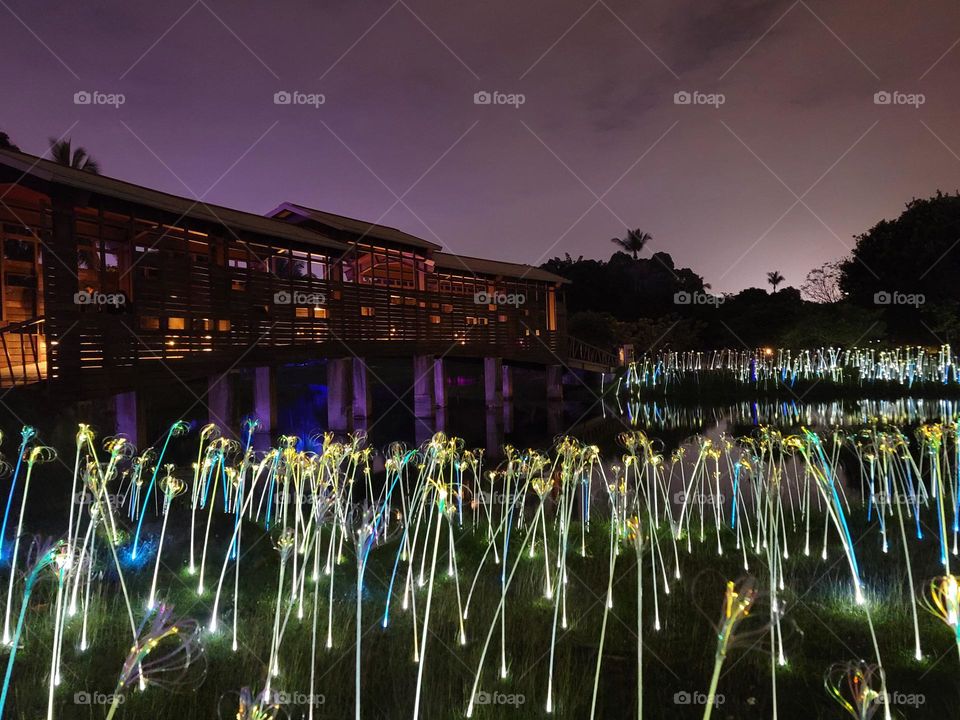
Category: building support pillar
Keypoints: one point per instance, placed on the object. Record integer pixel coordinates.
(440, 383)
(339, 400)
(555, 382)
(264, 406)
(507, 373)
(424, 372)
(362, 403)
(493, 382)
(219, 402)
(127, 410)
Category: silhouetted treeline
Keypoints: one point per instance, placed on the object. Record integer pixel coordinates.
(900, 285)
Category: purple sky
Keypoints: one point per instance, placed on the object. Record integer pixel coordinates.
(796, 160)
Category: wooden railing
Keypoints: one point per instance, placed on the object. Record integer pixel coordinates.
(24, 360)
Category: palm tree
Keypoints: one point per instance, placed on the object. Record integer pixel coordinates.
(61, 152)
(634, 242)
(5, 143)
(774, 278)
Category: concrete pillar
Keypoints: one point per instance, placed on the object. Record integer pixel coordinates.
(554, 382)
(264, 406)
(507, 384)
(339, 401)
(493, 381)
(423, 386)
(128, 416)
(440, 383)
(362, 403)
(219, 403)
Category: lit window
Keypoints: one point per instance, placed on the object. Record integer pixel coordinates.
(367, 311)
(223, 325)
(176, 323)
(303, 312)
(320, 313)
(149, 322)
(434, 319)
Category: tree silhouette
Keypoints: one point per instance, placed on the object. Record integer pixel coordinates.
(634, 242)
(822, 284)
(61, 152)
(6, 144)
(774, 278)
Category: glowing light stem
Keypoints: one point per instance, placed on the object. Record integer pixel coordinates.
(426, 617)
(27, 435)
(16, 550)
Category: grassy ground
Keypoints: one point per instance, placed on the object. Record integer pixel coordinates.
(821, 626)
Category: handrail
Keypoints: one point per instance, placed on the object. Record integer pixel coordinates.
(29, 334)
(584, 352)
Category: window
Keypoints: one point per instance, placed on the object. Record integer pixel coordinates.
(303, 312)
(434, 319)
(223, 325)
(176, 323)
(320, 313)
(447, 308)
(149, 322)
(367, 311)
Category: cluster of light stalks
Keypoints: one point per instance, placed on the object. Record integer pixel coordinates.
(326, 510)
(769, 368)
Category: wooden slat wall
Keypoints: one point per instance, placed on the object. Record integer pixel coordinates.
(188, 313)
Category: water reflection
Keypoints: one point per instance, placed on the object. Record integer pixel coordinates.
(693, 418)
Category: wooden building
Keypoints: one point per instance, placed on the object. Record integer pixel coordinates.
(107, 285)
